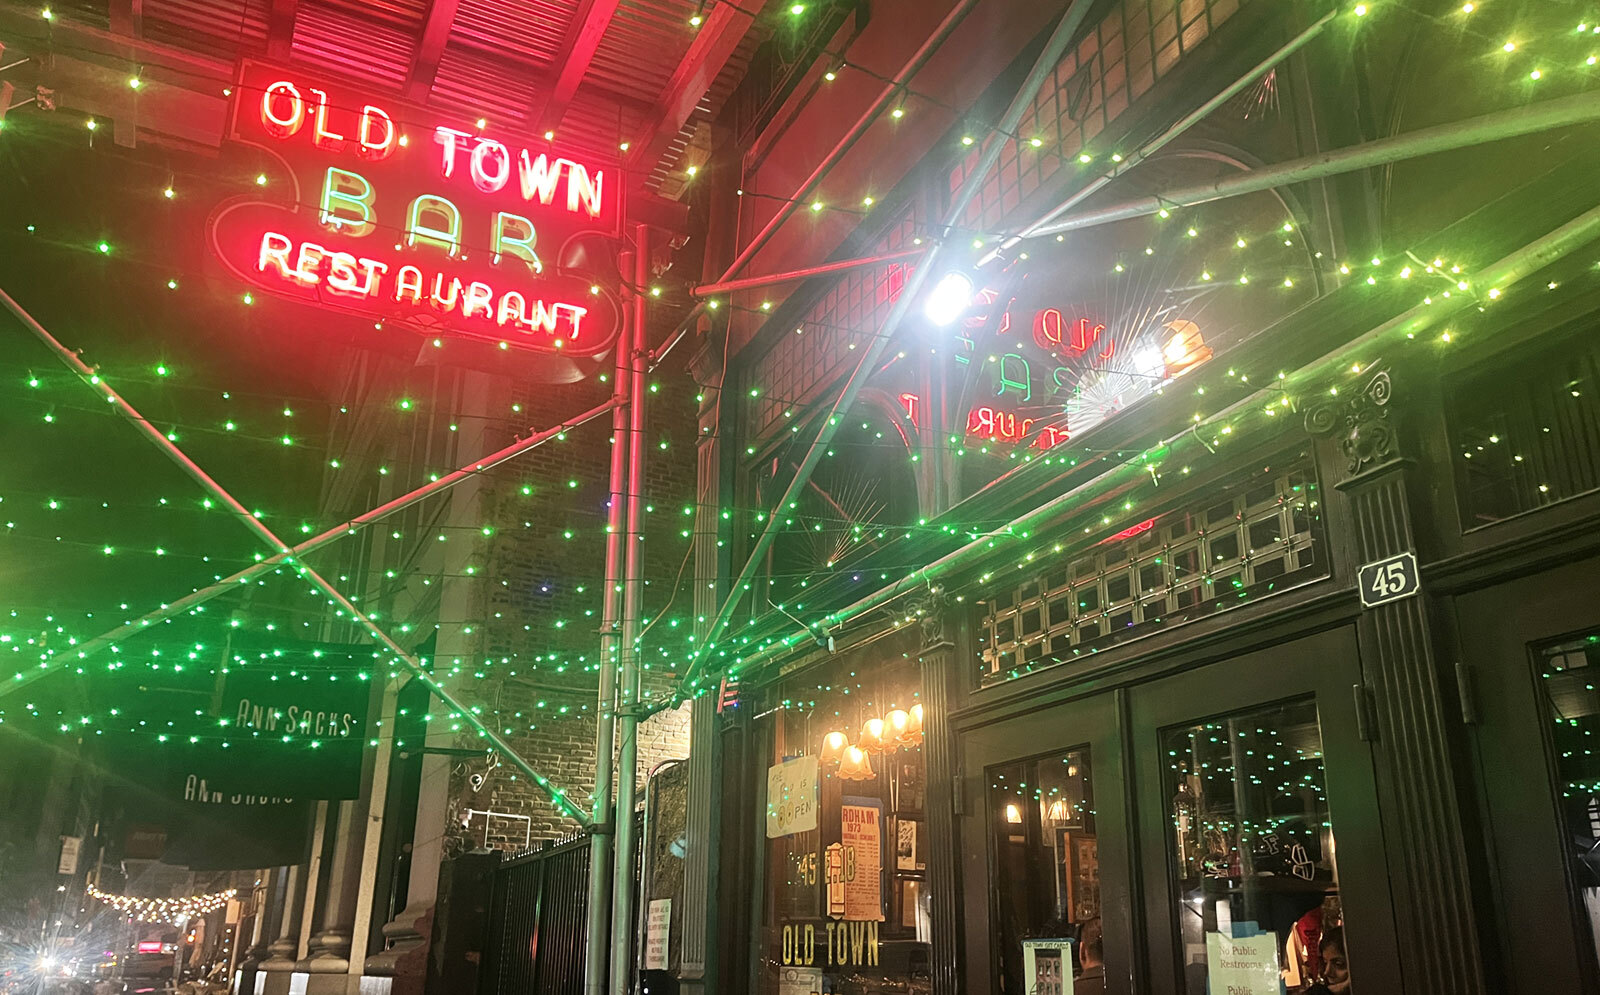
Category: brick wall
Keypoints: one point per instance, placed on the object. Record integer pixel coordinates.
(536, 640)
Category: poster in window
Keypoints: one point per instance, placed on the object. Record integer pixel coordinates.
(1084, 879)
(861, 832)
(792, 797)
(1047, 967)
(905, 846)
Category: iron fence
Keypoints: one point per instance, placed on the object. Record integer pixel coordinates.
(537, 922)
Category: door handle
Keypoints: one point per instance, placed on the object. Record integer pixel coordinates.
(1364, 724)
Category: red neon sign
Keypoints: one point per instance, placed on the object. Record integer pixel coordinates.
(994, 424)
(395, 214)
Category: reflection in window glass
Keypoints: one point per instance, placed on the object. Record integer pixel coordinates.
(846, 902)
(1255, 895)
(1569, 673)
(1175, 568)
(1048, 864)
(1526, 432)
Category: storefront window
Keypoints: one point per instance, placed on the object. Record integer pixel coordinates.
(1047, 871)
(846, 871)
(1255, 891)
(1526, 432)
(1568, 675)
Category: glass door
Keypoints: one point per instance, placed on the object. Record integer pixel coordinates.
(1044, 846)
(1259, 853)
(1535, 672)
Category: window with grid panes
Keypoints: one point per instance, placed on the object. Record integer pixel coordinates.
(1254, 540)
(1114, 64)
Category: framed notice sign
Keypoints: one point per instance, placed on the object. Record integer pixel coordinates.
(1047, 967)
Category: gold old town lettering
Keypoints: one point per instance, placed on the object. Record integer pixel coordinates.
(834, 944)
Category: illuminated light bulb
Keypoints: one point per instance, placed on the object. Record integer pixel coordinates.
(105, 248)
(766, 305)
(46, 14)
(1590, 61)
(1509, 46)
(898, 722)
(816, 205)
(1205, 275)
(169, 193)
(134, 82)
(1085, 158)
(692, 170)
(482, 123)
(797, 9)
(833, 747)
(1036, 142)
(1192, 233)
(90, 124)
(1013, 813)
(830, 76)
(594, 288)
(966, 139)
(855, 765)
(1361, 10)
(867, 201)
(249, 299)
(713, 305)
(261, 179)
(625, 146)
(655, 291)
(1494, 293)
(898, 113)
(1536, 74)
(549, 136)
(1468, 8)
(872, 737)
(695, 20)
(949, 298)
(404, 141)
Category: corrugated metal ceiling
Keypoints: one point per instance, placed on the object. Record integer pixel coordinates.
(500, 58)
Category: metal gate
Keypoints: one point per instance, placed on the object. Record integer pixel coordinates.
(538, 917)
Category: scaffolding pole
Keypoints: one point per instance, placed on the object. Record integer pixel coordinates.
(130, 414)
(623, 880)
(1563, 112)
(602, 829)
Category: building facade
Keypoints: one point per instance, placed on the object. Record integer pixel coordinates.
(1208, 603)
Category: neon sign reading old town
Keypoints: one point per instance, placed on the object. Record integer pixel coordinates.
(395, 216)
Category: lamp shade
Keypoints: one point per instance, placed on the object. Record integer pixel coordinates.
(833, 745)
(897, 728)
(916, 718)
(872, 736)
(855, 765)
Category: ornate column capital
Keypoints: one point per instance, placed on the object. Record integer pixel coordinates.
(932, 609)
(1360, 422)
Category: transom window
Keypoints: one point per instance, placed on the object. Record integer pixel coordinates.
(1257, 540)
